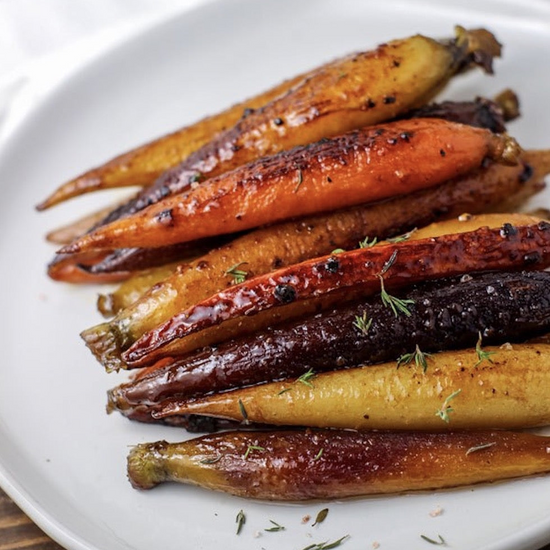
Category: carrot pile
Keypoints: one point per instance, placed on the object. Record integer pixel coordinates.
(299, 271)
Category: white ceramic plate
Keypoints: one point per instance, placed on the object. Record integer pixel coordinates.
(61, 457)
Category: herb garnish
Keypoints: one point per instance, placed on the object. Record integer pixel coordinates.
(300, 180)
(321, 516)
(397, 304)
(338, 251)
(238, 275)
(251, 448)
(477, 448)
(284, 390)
(402, 238)
(362, 323)
(366, 244)
(439, 542)
(319, 455)
(276, 527)
(306, 377)
(211, 460)
(244, 414)
(482, 355)
(446, 409)
(327, 545)
(420, 358)
(240, 520)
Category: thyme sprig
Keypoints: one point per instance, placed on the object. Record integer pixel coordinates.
(327, 545)
(397, 305)
(238, 275)
(251, 448)
(240, 520)
(306, 377)
(439, 542)
(446, 409)
(365, 243)
(321, 516)
(211, 460)
(244, 414)
(300, 180)
(481, 354)
(363, 323)
(480, 447)
(420, 358)
(402, 238)
(276, 527)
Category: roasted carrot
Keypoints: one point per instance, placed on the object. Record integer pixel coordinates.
(355, 91)
(362, 166)
(311, 464)
(437, 315)
(509, 389)
(287, 243)
(141, 166)
(320, 283)
(292, 242)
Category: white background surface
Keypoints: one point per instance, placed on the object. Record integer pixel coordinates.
(61, 457)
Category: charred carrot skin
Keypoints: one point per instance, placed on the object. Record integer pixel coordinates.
(358, 90)
(301, 465)
(359, 167)
(323, 282)
(445, 314)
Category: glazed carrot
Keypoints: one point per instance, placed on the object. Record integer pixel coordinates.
(141, 166)
(508, 390)
(357, 90)
(439, 315)
(363, 166)
(482, 113)
(320, 283)
(292, 242)
(300, 465)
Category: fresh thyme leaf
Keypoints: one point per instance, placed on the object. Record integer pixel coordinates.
(306, 377)
(388, 264)
(397, 304)
(366, 244)
(402, 238)
(338, 251)
(327, 545)
(420, 359)
(212, 460)
(319, 455)
(284, 390)
(238, 275)
(276, 527)
(334, 544)
(477, 448)
(299, 181)
(446, 409)
(321, 516)
(362, 323)
(439, 542)
(482, 355)
(252, 448)
(244, 414)
(240, 521)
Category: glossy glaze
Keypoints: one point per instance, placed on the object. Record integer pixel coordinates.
(301, 465)
(446, 314)
(318, 284)
(361, 166)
